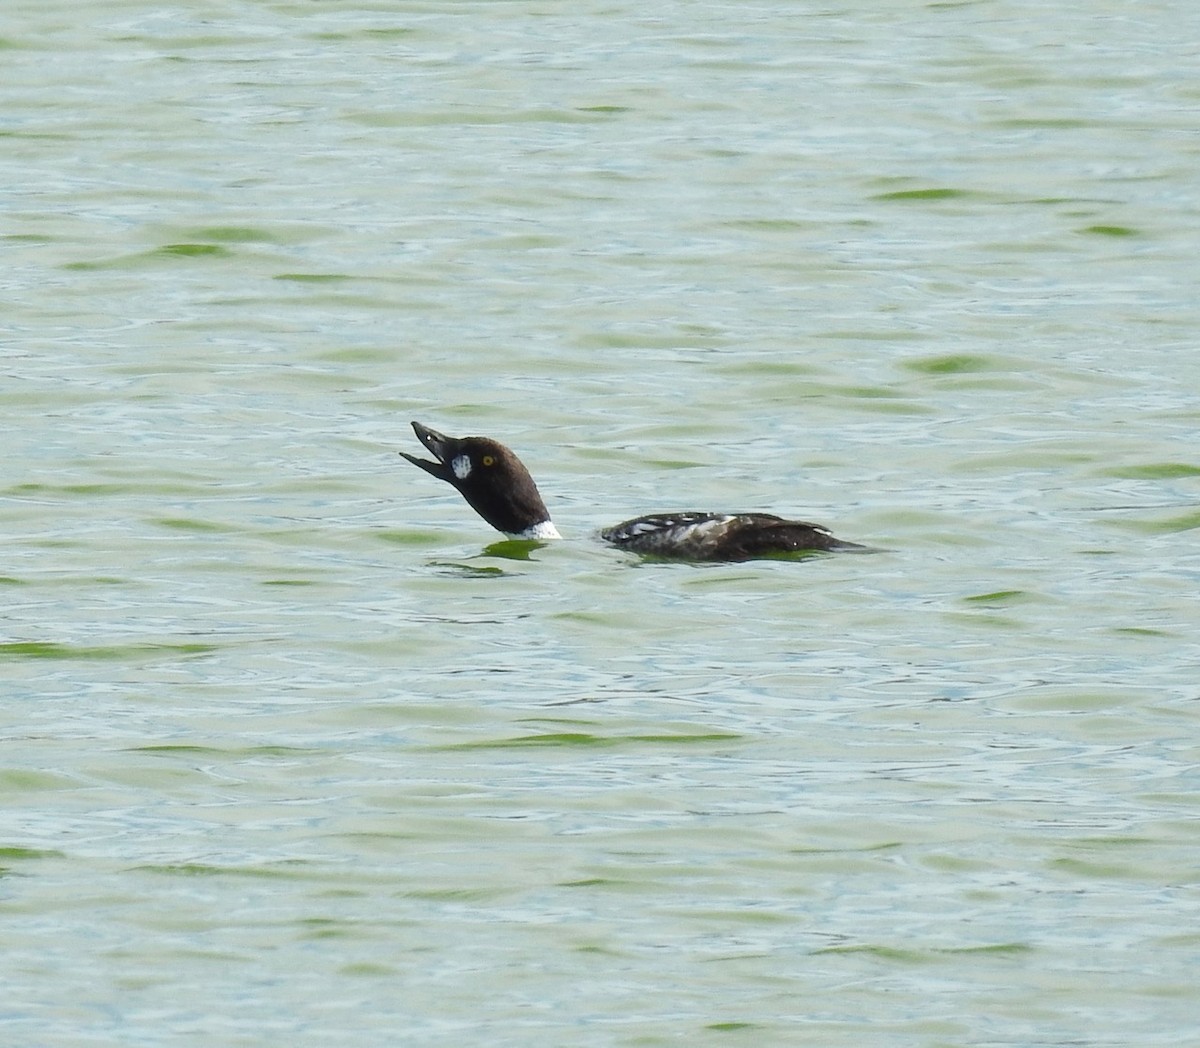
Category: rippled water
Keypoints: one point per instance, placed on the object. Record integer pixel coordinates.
(294, 752)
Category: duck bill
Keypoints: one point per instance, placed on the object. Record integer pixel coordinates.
(438, 445)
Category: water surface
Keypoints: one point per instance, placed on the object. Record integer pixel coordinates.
(293, 752)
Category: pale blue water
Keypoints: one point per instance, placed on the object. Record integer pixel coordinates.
(292, 755)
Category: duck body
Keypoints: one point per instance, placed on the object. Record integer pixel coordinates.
(499, 488)
(720, 536)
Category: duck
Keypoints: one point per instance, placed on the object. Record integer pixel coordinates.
(497, 485)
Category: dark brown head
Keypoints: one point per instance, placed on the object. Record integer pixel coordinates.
(491, 478)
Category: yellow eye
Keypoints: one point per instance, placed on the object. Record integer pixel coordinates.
(488, 460)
